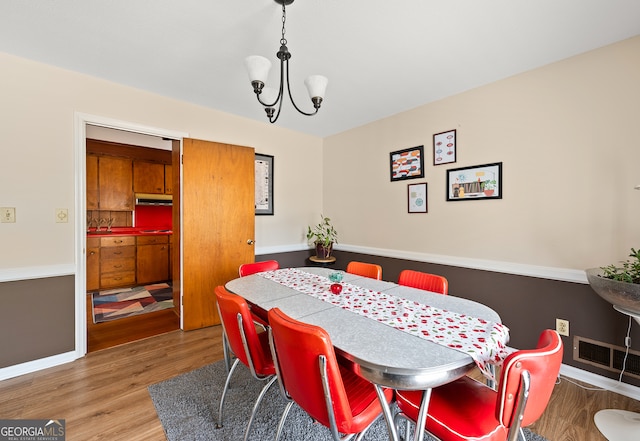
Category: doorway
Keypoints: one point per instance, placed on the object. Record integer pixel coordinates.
(124, 331)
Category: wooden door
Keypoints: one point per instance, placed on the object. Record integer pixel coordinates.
(217, 223)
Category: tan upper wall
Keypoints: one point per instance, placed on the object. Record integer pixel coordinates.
(568, 135)
(37, 143)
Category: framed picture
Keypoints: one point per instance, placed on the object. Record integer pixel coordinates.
(407, 164)
(444, 147)
(417, 198)
(264, 184)
(476, 182)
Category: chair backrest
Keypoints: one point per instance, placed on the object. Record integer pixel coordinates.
(246, 269)
(298, 347)
(241, 332)
(365, 269)
(426, 281)
(543, 365)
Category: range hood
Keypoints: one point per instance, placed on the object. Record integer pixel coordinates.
(153, 199)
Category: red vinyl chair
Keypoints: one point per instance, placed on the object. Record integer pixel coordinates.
(250, 346)
(246, 269)
(365, 269)
(468, 410)
(310, 375)
(426, 281)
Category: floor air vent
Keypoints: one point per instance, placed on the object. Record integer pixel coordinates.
(606, 356)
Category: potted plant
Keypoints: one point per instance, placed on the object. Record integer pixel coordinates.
(619, 285)
(323, 236)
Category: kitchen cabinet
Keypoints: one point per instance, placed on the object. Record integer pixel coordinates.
(93, 195)
(168, 179)
(117, 261)
(93, 263)
(115, 183)
(148, 177)
(152, 260)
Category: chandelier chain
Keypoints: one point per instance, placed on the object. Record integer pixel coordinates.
(283, 41)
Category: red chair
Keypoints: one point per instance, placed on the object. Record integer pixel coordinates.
(246, 269)
(426, 281)
(467, 409)
(310, 376)
(250, 346)
(365, 269)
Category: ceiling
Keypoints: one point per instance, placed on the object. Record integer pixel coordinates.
(381, 57)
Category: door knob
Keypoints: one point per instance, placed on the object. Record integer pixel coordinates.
(250, 242)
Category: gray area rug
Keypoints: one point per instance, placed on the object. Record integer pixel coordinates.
(187, 406)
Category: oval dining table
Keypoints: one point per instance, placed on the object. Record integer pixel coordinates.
(384, 355)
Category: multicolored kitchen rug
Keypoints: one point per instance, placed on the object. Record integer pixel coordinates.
(114, 304)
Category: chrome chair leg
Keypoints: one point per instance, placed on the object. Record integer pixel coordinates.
(282, 419)
(224, 393)
(257, 404)
(226, 351)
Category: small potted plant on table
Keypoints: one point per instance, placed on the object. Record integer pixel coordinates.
(323, 236)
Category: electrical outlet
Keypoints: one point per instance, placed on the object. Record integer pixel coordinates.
(7, 214)
(562, 326)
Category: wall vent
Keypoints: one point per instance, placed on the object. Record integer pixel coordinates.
(606, 356)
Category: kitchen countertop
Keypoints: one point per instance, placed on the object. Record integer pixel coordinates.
(129, 231)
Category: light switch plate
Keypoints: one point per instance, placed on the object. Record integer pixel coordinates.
(7, 214)
(62, 215)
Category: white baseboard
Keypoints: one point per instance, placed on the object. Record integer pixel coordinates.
(599, 381)
(37, 365)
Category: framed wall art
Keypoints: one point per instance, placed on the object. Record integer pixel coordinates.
(264, 184)
(475, 182)
(417, 197)
(444, 147)
(407, 163)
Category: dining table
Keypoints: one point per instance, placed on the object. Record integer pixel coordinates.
(394, 336)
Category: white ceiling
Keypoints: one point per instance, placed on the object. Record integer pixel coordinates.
(381, 57)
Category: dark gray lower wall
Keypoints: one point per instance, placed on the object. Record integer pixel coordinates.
(527, 305)
(37, 319)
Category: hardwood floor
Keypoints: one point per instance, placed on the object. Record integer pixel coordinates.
(103, 396)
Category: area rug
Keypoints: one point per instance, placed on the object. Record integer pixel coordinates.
(187, 406)
(126, 302)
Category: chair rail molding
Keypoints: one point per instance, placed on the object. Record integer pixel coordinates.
(36, 272)
(543, 272)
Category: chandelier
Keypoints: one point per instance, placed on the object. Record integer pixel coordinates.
(258, 68)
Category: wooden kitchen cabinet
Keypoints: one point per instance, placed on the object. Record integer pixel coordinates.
(148, 177)
(115, 182)
(93, 263)
(117, 261)
(93, 195)
(152, 260)
(168, 179)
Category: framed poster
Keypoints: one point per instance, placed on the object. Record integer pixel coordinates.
(444, 147)
(407, 163)
(417, 198)
(475, 182)
(264, 184)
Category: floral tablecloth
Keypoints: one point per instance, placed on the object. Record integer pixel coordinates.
(484, 341)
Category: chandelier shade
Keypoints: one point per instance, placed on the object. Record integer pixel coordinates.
(258, 68)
